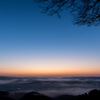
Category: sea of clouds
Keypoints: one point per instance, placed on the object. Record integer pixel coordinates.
(51, 86)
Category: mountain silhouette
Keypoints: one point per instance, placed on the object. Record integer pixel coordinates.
(5, 96)
(92, 95)
(35, 96)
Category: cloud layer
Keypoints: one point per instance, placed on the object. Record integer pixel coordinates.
(51, 86)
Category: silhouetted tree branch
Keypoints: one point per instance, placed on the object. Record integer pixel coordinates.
(85, 12)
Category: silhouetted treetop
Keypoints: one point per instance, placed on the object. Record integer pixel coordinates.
(85, 12)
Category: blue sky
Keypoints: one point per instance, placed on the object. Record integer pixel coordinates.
(26, 33)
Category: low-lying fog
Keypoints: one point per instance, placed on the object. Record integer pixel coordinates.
(51, 86)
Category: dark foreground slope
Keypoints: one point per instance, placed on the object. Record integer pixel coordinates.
(35, 96)
(92, 95)
(5, 96)
(28, 96)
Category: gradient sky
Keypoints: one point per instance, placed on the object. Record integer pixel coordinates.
(32, 43)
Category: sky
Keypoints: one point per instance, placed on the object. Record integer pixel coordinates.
(35, 44)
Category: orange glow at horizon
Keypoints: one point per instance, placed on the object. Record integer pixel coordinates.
(50, 66)
(39, 72)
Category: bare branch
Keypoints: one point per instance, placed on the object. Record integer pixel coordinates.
(85, 12)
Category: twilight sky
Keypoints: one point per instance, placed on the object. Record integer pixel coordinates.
(32, 43)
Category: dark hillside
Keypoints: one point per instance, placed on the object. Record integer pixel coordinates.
(92, 95)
